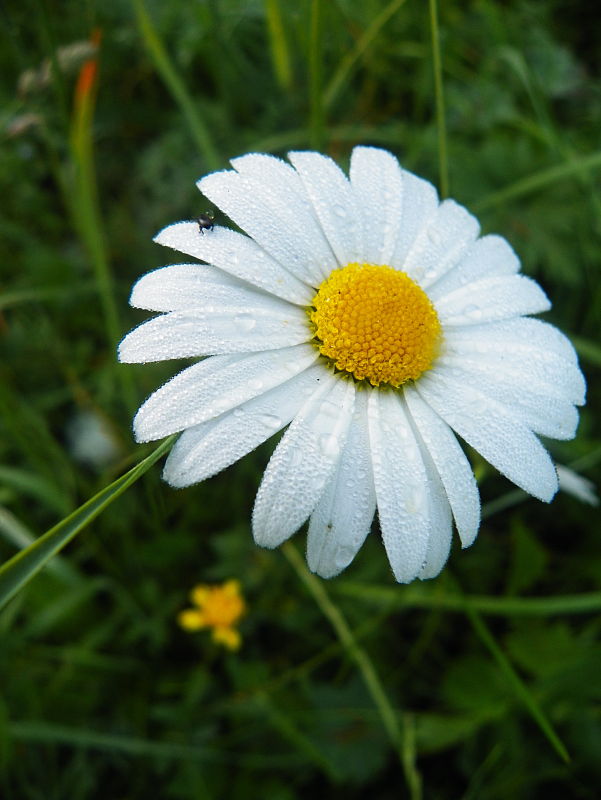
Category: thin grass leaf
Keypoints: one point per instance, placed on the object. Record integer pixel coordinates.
(280, 54)
(402, 741)
(164, 66)
(443, 166)
(59, 608)
(39, 295)
(17, 572)
(539, 180)
(352, 58)
(316, 101)
(517, 684)
(32, 731)
(34, 485)
(288, 730)
(15, 532)
(85, 207)
(424, 597)
(589, 351)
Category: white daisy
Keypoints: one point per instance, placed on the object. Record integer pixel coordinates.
(371, 318)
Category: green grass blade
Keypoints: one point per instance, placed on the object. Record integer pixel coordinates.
(280, 54)
(517, 684)
(424, 597)
(87, 217)
(283, 724)
(32, 731)
(316, 104)
(33, 485)
(13, 530)
(41, 294)
(540, 180)
(86, 206)
(351, 59)
(20, 569)
(588, 350)
(403, 743)
(176, 86)
(443, 165)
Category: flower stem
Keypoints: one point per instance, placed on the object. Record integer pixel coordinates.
(403, 741)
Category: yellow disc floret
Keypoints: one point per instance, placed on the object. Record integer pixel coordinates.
(376, 323)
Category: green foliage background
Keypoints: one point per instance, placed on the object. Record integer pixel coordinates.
(468, 686)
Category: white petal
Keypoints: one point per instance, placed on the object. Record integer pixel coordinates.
(441, 521)
(491, 300)
(237, 255)
(538, 370)
(343, 516)
(334, 202)
(206, 449)
(179, 286)
(491, 255)
(400, 481)
(216, 385)
(492, 429)
(448, 235)
(542, 411)
(517, 336)
(526, 348)
(451, 463)
(277, 185)
(235, 195)
(376, 178)
(420, 202)
(211, 331)
(303, 462)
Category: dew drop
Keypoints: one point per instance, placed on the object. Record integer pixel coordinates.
(296, 457)
(238, 412)
(245, 321)
(329, 444)
(270, 421)
(473, 312)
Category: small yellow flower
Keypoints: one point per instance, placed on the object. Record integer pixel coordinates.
(217, 607)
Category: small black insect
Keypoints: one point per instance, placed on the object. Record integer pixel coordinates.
(205, 222)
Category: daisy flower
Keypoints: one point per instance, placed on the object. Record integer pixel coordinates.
(375, 322)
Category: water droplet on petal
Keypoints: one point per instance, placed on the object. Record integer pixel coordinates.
(245, 322)
(270, 421)
(329, 445)
(473, 312)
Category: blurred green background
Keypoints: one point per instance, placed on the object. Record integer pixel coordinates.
(469, 686)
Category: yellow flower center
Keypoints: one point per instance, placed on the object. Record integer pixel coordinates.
(376, 323)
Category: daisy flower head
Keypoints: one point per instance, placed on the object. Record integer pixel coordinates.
(371, 319)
